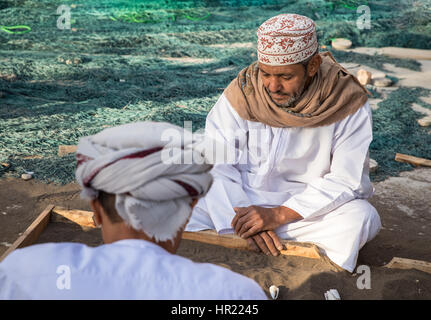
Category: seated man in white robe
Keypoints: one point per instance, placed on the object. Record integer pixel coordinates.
(295, 128)
(142, 200)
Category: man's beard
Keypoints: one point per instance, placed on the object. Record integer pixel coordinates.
(293, 99)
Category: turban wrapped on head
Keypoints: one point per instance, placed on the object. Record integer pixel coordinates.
(153, 169)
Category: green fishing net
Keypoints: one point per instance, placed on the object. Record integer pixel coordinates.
(123, 61)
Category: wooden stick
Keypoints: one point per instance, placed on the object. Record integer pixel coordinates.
(81, 217)
(403, 263)
(293, 248)
(211, 237)
(412, 160)
(66, 149)
(32, 233)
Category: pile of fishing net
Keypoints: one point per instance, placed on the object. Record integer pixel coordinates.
(124, 61)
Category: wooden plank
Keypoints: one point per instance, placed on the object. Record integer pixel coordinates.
(403, 263)
(81, 217)
(212, 237)
(293, 248)
(65, 149)
(299, 249)
(412, 160)
(406, 53)
(32, 233)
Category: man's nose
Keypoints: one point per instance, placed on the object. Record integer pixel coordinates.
(274, 84)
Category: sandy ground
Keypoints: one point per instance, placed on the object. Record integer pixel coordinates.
(403, 203)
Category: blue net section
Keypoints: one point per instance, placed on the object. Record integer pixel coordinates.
(124, 61)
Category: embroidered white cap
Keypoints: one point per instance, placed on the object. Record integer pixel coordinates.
(286, 39)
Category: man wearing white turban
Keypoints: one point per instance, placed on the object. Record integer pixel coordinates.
(141, 191)
(299, 125)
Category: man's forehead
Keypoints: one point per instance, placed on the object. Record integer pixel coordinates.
(279, 70)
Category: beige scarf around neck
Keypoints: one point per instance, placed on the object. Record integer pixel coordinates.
(332, 95)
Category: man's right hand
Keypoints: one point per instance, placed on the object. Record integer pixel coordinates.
(266, 242)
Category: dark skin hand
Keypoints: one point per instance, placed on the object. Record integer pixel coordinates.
(256, 223)
(266, 242)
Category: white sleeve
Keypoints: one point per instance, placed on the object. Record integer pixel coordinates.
(348, 177)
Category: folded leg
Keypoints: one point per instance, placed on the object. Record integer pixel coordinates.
(340, 233)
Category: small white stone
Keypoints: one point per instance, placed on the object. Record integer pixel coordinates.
(382, 82)
(425, 122)
(373, 165)
(26, 176)
(332, 294)
(274, 290)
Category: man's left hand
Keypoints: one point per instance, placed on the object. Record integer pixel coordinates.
(266, 242)
(248, 221)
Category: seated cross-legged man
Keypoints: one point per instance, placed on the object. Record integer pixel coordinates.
(300, 127)
(141, 197)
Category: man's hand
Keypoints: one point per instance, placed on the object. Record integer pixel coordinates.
(267, 242)
(251, 220)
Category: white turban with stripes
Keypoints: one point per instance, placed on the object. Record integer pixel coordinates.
(153, 168)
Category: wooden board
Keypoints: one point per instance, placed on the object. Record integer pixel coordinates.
(65, 149)
(412, 160)
(293, 248)
(403, 263)
(81, 217)
(32, 233)
(308, 250)
(85, 220)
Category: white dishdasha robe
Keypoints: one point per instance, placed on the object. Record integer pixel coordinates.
(127, 269)
(322, 173)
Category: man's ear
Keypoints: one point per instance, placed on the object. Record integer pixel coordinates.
(97, 209)
(314, 65)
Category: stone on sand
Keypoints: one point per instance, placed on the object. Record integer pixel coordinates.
(373, 165)
(26, 176)
(382, 82)
(341, 43)
(364, 76)
(425, 122)
(8, 76)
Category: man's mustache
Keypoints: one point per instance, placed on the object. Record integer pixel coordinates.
(278, 93)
